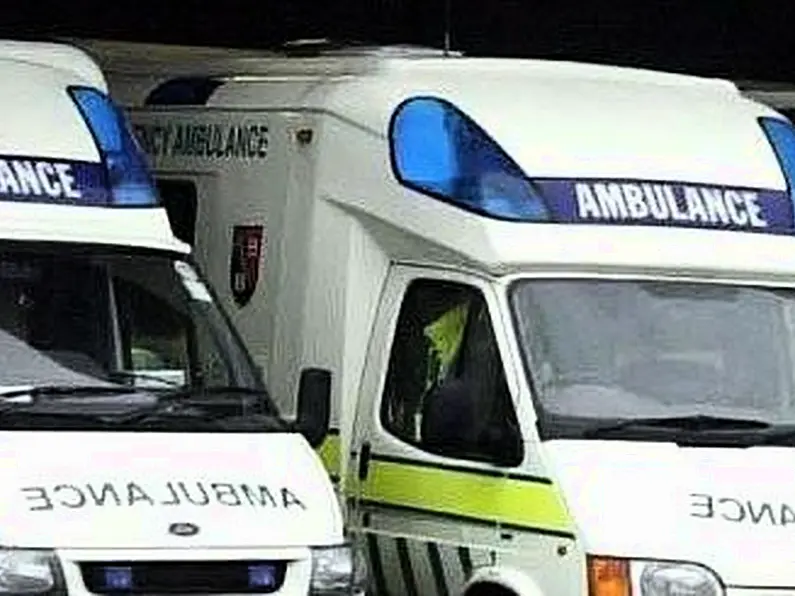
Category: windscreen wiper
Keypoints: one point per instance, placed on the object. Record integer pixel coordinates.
(198, 392)
(35, 391)
(780, 434)
(217, 395)
(9, 406)
(128, 375)
(692, 423)
(203, 402)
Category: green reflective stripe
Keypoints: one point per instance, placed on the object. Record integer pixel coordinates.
(329, 452)
(531, 504)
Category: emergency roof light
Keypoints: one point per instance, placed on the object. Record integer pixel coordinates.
(438, 151)
(781, 135)
(128, 178)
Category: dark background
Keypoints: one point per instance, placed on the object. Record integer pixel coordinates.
(739, 39)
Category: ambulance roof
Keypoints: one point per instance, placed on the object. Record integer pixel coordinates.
(582, 143)
(54, 56)
(37, 116)
(554, 118)
(50, 155)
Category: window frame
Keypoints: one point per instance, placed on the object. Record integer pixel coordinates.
(126, 328)
(478, 292)
(135, 157)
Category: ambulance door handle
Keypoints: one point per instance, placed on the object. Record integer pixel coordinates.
(364, 460)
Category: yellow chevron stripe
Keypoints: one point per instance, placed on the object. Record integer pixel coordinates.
(521, 503)
(329, 452)
(518, 502)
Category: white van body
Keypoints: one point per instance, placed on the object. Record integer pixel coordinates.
(107, 483)
(655, 283)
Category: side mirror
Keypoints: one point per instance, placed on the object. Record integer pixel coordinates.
(314, 405)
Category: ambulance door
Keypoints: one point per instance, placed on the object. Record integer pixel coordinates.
(435, 437)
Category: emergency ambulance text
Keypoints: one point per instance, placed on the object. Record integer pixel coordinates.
(669, 202)
(210, 141)
(199, 494)
(732, 509)
(24, 177)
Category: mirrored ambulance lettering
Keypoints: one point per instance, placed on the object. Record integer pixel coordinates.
(737, 510)
(173, 493)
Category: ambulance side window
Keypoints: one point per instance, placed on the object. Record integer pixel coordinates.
(180, 200)
(445, 390)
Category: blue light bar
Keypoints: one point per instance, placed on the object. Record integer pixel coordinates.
(440, 152)
(125, 163)
(262, 576)
(117, 579)
(781, 135)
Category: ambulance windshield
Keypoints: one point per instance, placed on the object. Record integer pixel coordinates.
(87, 317)
(600, 349)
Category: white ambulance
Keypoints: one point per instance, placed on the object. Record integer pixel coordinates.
(141, 453)
(558, 301)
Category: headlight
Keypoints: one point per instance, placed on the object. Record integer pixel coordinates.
(609, 576)
(25, 571)
(338, 570)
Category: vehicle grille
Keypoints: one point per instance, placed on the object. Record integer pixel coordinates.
(183, 577)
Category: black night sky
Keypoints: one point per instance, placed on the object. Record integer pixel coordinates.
(739, 39)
